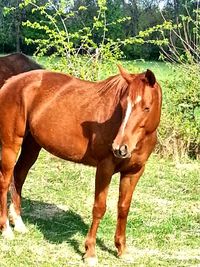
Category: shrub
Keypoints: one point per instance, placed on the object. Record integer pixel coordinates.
(179, 132)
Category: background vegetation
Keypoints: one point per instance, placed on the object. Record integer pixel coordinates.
(80, 15)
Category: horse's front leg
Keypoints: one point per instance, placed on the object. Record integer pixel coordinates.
(103, 177)
(128, 183)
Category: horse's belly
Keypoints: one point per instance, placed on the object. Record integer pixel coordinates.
(66, 142)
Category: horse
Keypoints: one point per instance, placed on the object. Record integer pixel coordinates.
(109, 124)
(14, 64)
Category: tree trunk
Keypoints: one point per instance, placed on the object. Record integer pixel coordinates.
(18, 26)
(177, 7)
(134, 17)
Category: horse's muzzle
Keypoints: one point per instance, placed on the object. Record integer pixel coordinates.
(121, 152)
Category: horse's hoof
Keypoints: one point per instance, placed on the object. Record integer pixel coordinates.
(7, 232)
(127, 257)
(16, 220)
(91, 261)
(20, 226)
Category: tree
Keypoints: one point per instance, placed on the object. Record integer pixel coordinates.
(11, 22)
(18, 24)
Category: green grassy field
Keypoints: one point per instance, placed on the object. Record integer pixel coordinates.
(163, 225)
(162, 70)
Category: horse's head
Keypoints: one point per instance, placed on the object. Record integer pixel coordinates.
(141, 105)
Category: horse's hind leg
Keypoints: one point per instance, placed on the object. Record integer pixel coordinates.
(29, 153)
(8, 156)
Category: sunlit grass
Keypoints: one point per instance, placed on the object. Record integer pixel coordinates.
(163, 224)
(162, 70)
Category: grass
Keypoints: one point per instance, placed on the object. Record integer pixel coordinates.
(163, 224)
(162, 70)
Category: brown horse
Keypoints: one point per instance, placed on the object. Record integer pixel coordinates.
(109, 124)
(14, 64)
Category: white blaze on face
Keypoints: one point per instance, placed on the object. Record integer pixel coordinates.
(130, 106)
(127, 114)
(138, 99)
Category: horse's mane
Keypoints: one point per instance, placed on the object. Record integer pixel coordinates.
(116, 82)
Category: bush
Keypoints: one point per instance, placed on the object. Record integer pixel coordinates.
(179, 132)
(138, 51)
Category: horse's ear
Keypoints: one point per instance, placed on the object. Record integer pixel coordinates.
(125, 74)
(150, 77)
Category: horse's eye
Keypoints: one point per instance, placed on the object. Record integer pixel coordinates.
(146, 109)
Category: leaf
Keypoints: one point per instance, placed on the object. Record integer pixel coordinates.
(197, 115)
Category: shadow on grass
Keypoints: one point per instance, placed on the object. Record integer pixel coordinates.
(58, 225)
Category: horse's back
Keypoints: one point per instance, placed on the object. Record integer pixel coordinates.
(45, 85)
(14, 64)
(19, 62)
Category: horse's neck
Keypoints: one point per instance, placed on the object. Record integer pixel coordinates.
(107, 101)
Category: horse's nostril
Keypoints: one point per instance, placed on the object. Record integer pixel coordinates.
(123, 150)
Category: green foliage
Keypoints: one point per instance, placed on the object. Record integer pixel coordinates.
(180, 125)
(7, 37)
(180, 131)
(80, 51)
(183, 44)
(75, 50)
